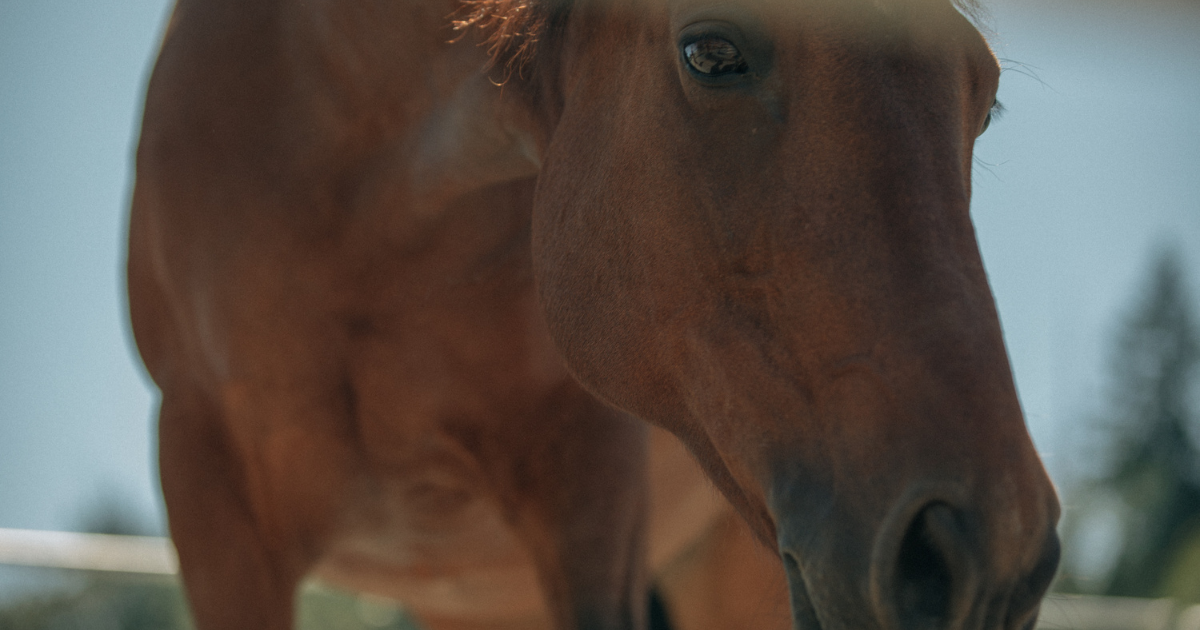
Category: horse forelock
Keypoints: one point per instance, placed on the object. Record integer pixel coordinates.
(513, 28)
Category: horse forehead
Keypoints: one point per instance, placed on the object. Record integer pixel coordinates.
(785, 9)
(784, 5)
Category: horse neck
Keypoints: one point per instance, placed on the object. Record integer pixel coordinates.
(374, 57)
(413, 91)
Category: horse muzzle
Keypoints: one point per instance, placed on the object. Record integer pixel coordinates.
(936, 564)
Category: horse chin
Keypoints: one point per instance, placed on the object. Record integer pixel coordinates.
(804, 614)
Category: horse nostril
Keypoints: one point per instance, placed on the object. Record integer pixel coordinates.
(922, 572)
(1027, 596)
(934, 571)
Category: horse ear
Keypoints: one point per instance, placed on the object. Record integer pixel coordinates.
(511, 28)
(975, 11)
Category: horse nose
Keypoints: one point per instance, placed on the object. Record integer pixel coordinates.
(932, 573)
(1027, 597)
(928, 569)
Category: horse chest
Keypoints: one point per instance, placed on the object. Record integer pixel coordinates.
(437, 538)
(442, 548)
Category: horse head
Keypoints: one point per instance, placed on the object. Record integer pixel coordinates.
(752, 227)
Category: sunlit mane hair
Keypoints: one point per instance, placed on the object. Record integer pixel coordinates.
(512, 28)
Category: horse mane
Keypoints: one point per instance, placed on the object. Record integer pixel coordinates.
(512, 28)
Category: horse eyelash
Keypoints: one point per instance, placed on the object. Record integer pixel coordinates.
(997, 110)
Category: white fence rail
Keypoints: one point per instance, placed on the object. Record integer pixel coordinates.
(151, 555)
(1083, 612)
(88, 552)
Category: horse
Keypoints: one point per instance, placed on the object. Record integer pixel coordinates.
(526, 312)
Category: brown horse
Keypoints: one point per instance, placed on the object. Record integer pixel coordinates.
(407, 323)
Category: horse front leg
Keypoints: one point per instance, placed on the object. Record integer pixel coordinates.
(726, 579)
(578, 497)
(233, 578)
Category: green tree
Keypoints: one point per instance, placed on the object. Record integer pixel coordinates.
(1154, 463)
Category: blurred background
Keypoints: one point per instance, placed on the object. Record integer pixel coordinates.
(1086, 201)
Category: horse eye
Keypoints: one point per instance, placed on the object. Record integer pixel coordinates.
(993, 113)
(714, 57)
(987, 122)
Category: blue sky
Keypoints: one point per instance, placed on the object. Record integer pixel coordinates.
(74, 407)
(1094, 164)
